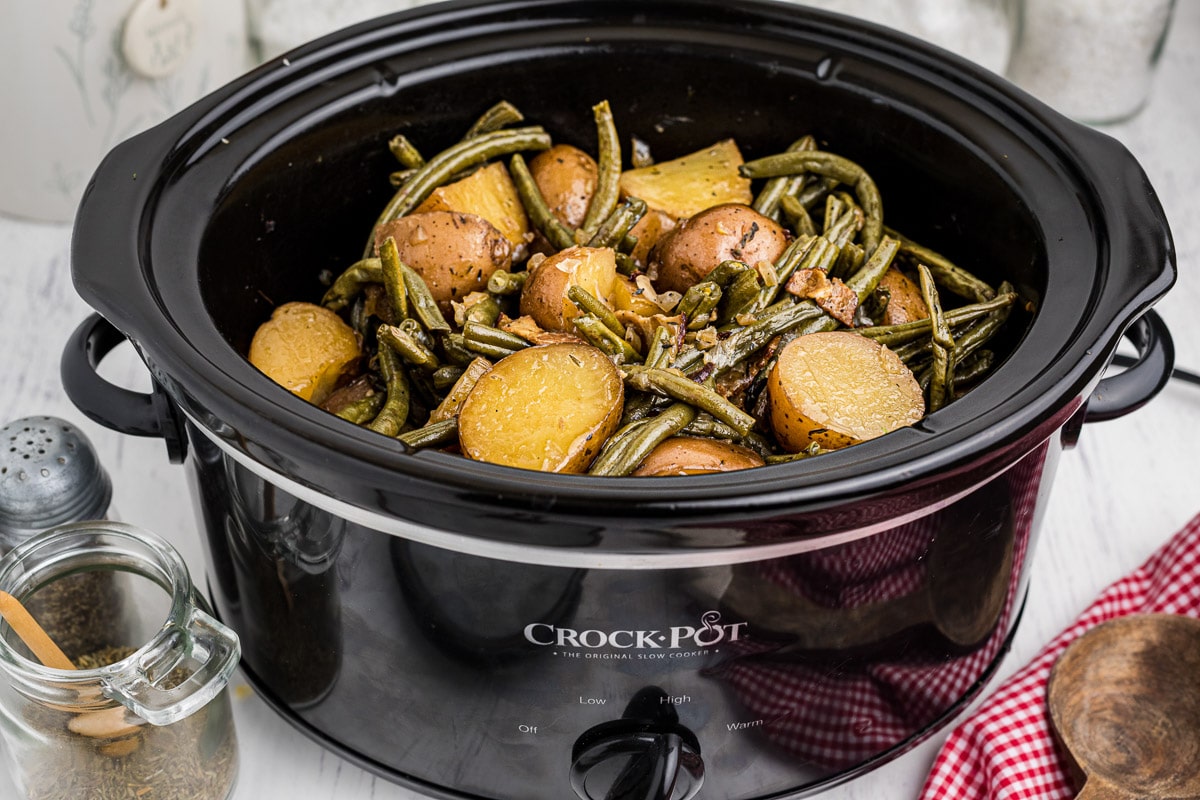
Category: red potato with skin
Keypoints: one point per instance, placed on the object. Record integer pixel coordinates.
(720, 233)
(455, 253)
(567, 178)
(836, 389)
(692, 455)
(544, 296)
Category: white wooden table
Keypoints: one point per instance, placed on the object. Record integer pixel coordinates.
(1127, 486)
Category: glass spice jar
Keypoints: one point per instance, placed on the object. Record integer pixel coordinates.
(1092, 60)
(145, 715)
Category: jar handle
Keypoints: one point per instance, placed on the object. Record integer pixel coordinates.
(206, 650)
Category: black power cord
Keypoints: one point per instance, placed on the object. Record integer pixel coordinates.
(1178, 373)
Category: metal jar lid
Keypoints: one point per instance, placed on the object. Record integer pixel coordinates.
(49, 475)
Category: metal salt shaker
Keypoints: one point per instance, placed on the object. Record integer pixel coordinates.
(50, 475)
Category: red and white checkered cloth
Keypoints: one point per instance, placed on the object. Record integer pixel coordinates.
(1005, 751)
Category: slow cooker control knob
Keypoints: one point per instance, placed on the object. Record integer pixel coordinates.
(645, 755)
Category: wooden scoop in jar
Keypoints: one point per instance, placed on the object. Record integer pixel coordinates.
(1124, 701)
(108, 723)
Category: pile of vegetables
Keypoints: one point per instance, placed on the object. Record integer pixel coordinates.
(567, 314)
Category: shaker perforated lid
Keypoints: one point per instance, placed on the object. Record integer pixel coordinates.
(49, 475)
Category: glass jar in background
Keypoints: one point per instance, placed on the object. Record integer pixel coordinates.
(1092, 60)
(979, 30)
(277, 26)
(148, 713)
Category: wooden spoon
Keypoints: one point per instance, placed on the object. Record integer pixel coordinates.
(109, 723)
(1124, 701)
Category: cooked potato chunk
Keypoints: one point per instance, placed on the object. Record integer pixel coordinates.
(544, 296)
(487, 193)
(714, 235)
(685, 186)
(905, 303)
(692, 455)
(305, 348)
(652, 227)
(567, 178)
(547, 408)
(837, 389)
(454, 252)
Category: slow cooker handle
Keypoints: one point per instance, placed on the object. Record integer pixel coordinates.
(115, 407)
(1127, 391)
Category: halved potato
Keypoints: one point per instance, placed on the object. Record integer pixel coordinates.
(544, 296)
(685, 186)
(693, 455)
(305, 348)
(837, 389)
(487, 193)
(547, 408)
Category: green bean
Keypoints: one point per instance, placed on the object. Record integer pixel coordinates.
(783, 458)
(684, 389)
(424, 307)
(600, 335)
(393, 277)
(348, 285)
(394, 413)
(363, 409)
(864, 281)
(797, 254)
(431, 435)
(455, 350)
(498, 116)
(698, 304)
(504, 283)
(476, 335)
(971, 369)
(832, 166)
(727, 271)
(485, 310)
(604, 198)
(834, 205)
(408, 347)
(541, 217)
(749, 339)
(616, 226)
(405, 152)
(438, 169)
(625, 263)
(797, 216)
(814, 191)
(743, 295)
(849, 260)
(948, 275)
(659, 353)
(398, 178)
(706, 426)
(941, 344)
(446, 376)
(588, 304)
(893, 335)
(770, 197)
(627, 448)
(452, 402)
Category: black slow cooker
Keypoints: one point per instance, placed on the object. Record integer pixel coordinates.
(475, 631)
